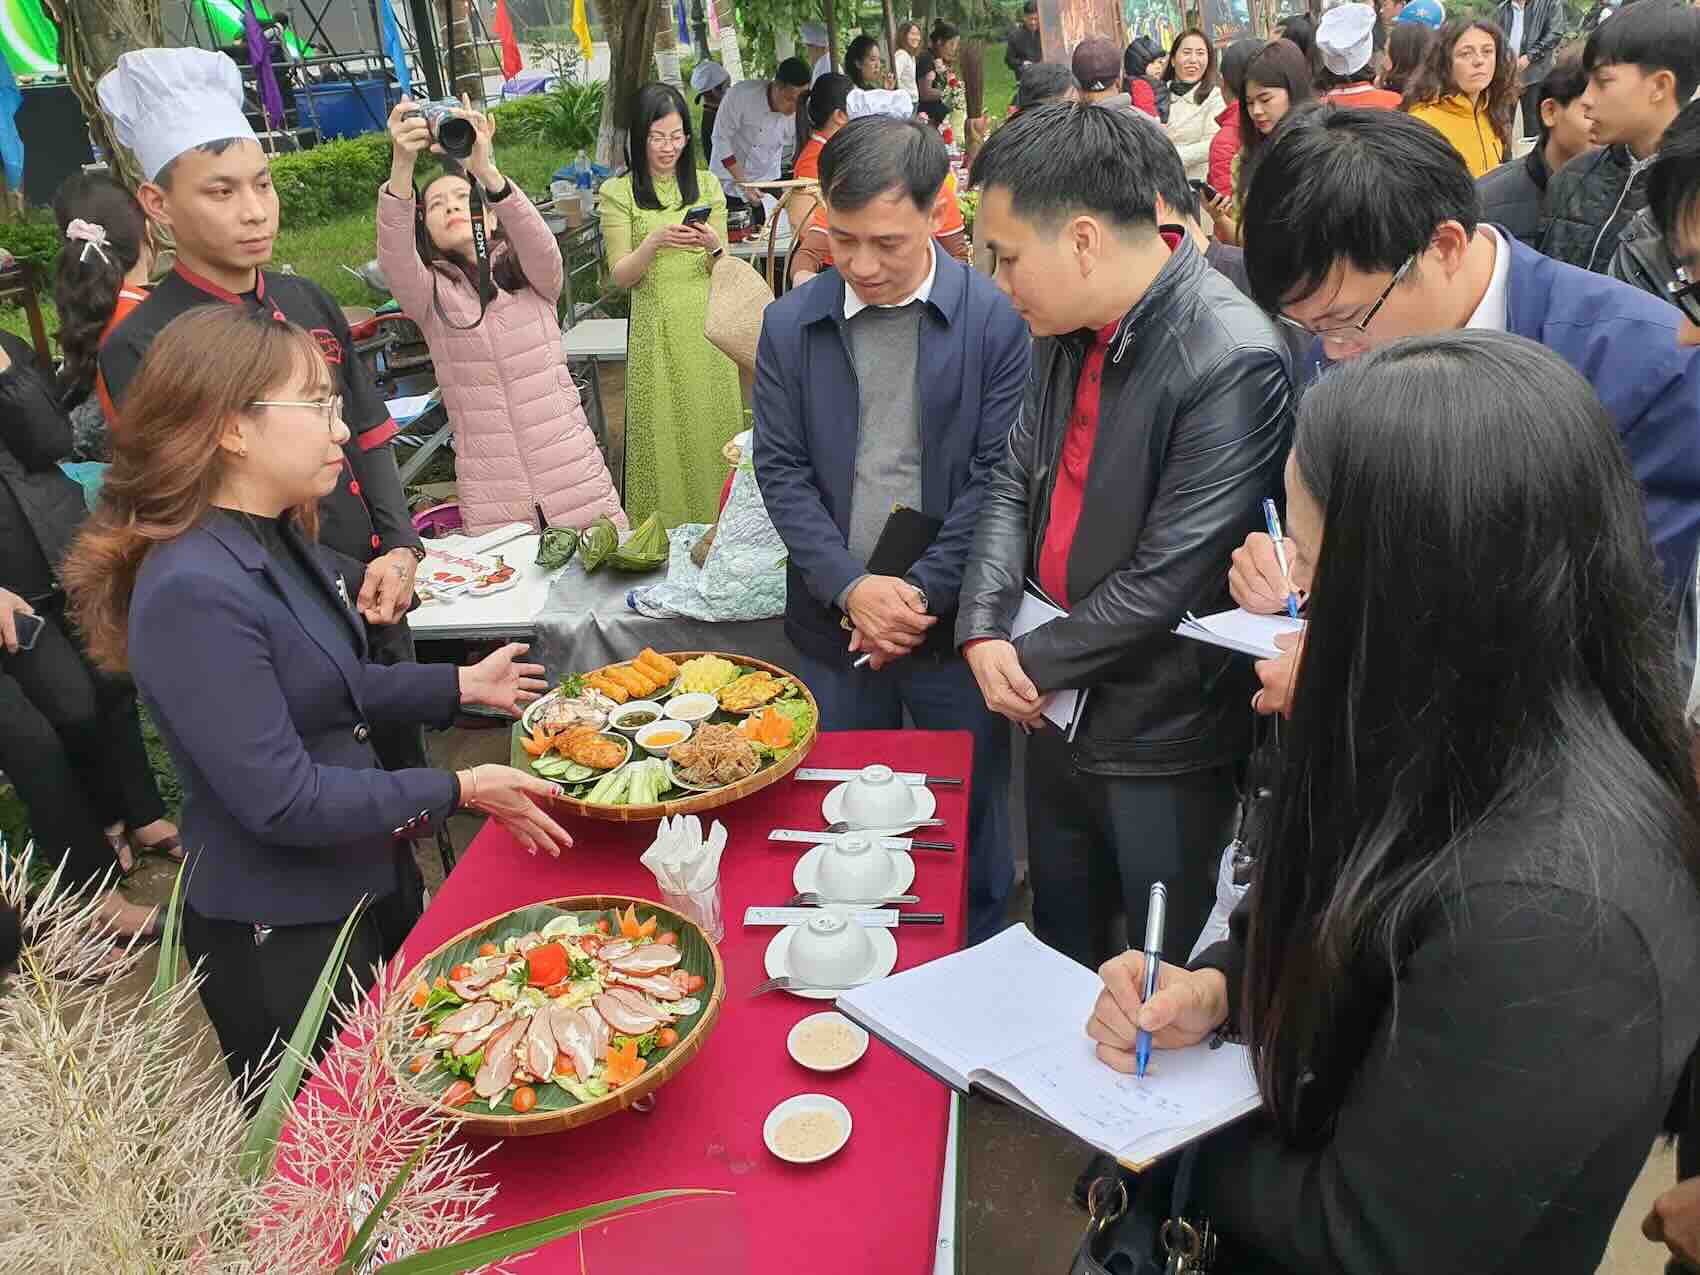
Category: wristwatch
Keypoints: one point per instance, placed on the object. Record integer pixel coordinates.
(418, 551)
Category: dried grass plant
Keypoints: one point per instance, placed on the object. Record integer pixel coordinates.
(122, 1150)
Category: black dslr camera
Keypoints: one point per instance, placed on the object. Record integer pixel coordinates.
(449, 128)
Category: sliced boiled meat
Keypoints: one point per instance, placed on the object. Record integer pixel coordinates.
(638, 1005)
(649, 959)
(599, 1033)
(474, 1040)
(618, 948)
(464, 989)
(470, 1018)
(540, 1045)
(575, 1039)
(657, 985)
(500, 1063)
(529, 941)
(623, 1018)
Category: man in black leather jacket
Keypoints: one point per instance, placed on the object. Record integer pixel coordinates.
(1157, 417)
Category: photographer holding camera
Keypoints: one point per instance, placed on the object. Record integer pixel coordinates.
(473, 247)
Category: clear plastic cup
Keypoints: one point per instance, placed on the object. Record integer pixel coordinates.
(701, 906)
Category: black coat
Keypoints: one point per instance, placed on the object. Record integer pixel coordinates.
(46, 507)
(1194, 427)
(1543, 29)
(1514, 195)
(1590, 202)
(1546, 1010)
(1020, 48)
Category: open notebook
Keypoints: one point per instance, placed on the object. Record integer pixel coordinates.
(1010, 1016)
(1240, 631)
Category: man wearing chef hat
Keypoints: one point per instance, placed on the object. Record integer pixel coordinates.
(1345, 39)
(708, 82)
(209, 183)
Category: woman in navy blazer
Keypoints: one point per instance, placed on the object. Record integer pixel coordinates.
(199, 575)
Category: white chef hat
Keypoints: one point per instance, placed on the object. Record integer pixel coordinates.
(708, 76)
(814, 34)
(1346, 37)
(893, 102)
(164, 102)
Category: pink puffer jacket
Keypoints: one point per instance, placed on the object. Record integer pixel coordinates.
(521, 440)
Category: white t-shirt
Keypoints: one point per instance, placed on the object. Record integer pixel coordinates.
(823, 64)
(1514, 41)
(751, 133)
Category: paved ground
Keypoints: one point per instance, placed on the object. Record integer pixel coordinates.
(1016, 1219)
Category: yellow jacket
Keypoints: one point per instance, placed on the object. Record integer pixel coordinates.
(1468, 128)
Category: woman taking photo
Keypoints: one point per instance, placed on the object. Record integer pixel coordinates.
(70, 737)
(1194, 100)
(523, 452)
(683, 399)
(1276, 80)
(106, 258)
(199, 574)
(933, 71)
(1466, 965)
(1467, 89)
(903, 59)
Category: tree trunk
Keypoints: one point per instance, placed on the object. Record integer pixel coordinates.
(631, 27)
(973, 60)
(890, 35)
(830, 9)
(667, 45)
(92, 34)
(460, 53)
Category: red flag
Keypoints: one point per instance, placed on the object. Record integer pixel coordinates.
(511, 63)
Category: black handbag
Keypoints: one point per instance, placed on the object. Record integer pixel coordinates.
(1142, 1224)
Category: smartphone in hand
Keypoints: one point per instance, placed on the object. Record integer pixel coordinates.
(697, 216)
(1205, 189)
(29, 629)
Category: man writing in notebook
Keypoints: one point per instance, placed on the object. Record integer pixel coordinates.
(1157, 417)
(889, 382)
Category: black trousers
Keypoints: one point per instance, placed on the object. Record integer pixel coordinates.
(1095, 845)
(1531, 111)
(258, 979)
(71, 742)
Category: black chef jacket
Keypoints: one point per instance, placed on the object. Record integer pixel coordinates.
(366, 515)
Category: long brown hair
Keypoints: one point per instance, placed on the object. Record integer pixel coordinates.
(204, 369)
(1207, 81)
(1434, 80)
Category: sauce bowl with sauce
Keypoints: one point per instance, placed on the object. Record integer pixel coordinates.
(663, 736)
(807, 1128)
(630, 718)
(827, 1042)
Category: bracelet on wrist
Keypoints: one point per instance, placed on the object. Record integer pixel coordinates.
(469, 788)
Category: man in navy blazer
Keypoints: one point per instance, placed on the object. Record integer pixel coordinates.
(891, 381)
(1365, 231)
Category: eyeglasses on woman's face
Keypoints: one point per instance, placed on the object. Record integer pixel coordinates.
(664, 141)
(329, 409)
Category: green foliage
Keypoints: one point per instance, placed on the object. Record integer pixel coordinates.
(33, 238)
(333, 177)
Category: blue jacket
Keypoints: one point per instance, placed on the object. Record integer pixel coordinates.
(265, 701)
(1623, 342)
(973, 366)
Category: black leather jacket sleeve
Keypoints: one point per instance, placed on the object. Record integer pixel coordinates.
(996, 570)
(1224, 445)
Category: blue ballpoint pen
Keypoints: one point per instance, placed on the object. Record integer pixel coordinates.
(1273, 520)
(1154, 917)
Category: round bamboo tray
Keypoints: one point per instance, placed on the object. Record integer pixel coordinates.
(556, 1110)
(696, 803)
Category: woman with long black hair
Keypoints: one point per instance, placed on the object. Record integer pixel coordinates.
(1466, 966)
(683, 400)
(1277, 79)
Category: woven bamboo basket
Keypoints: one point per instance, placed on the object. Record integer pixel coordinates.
(557, 1110)
(696, 803)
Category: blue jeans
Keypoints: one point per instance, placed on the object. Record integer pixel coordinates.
(940, 695)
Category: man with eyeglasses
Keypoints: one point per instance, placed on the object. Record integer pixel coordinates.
(1362, 228)
(210, 185)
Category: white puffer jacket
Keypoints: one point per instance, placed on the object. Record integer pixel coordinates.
(1191, 126)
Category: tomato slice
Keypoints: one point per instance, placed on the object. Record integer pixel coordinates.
(525, 1098)
(547, 964)
(457, 1094)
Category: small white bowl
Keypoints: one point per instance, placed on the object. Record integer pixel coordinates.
(877, 798)
(856, 1030)
(616, 719)
(648, 733)
(830, 948)
(852, 868)
(694, 707)
(806, 1102)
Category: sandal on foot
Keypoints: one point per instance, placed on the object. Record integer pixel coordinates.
(121, 850)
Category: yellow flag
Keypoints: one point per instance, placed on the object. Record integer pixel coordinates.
(581, 28)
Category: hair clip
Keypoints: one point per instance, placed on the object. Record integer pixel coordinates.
(91, 235)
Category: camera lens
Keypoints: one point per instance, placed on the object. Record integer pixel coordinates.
(456, 136)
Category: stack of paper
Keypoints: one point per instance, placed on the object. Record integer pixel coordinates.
(1240, 630)
(1063, 709)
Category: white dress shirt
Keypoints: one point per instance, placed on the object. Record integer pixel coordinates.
(751, 133)
(1514, 41)
(1490, 314)
(854, 305)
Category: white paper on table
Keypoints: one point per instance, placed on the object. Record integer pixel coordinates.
(1240, 630)
(404, 411)
(1063, 709)
(500, 536)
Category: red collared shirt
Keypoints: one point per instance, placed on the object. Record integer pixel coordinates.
(1068, 493)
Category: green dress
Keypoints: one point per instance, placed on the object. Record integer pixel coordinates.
(684, 402)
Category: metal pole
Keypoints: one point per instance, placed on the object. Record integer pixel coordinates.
(425, 37)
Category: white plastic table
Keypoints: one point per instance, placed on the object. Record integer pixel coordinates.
(509, 614)
(591, 341)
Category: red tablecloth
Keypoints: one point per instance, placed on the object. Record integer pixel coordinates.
(871, 1208)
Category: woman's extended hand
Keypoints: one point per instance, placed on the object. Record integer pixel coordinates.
(1188, 1006)
(482, 162)
(409, 132)
(518, 802)
(498, 682)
